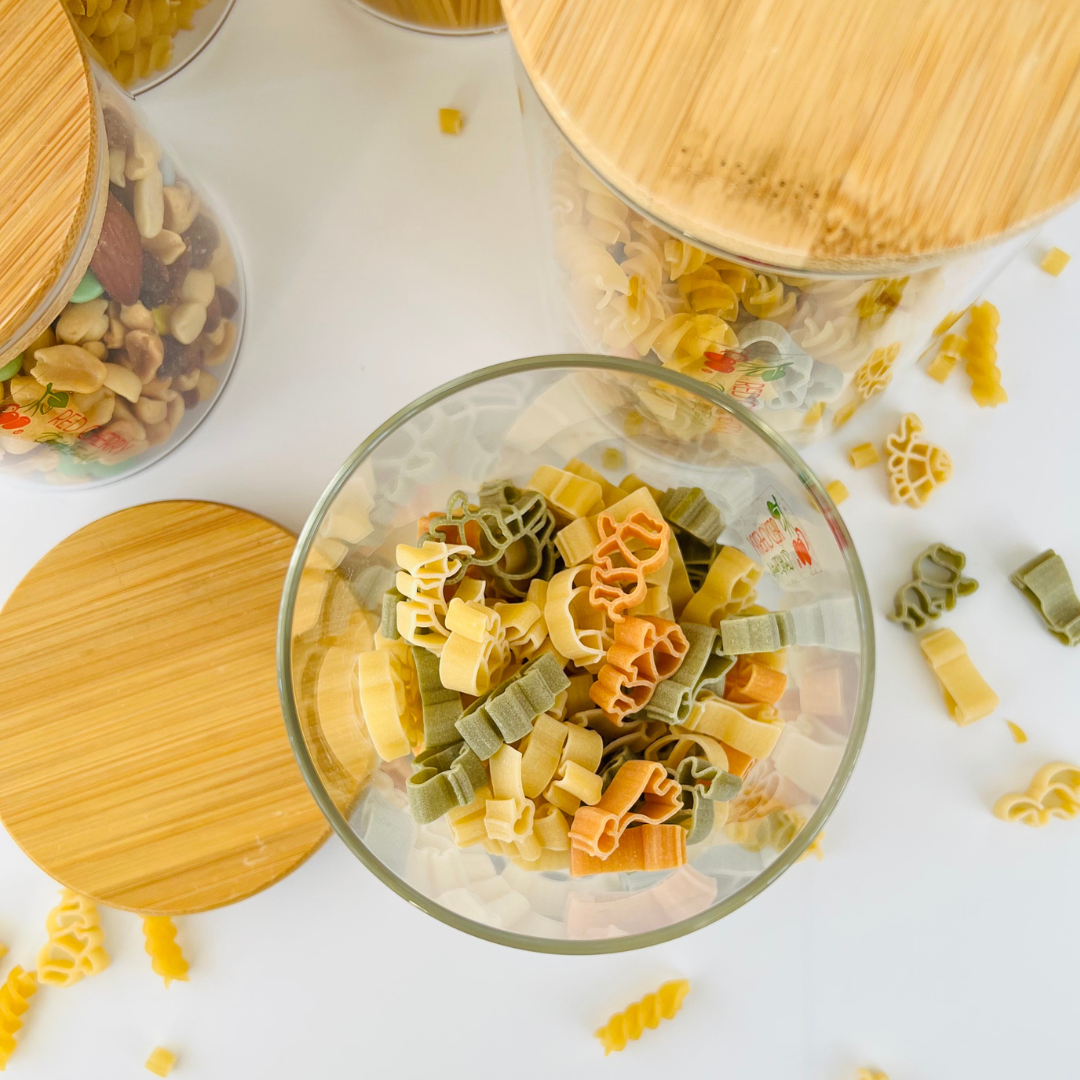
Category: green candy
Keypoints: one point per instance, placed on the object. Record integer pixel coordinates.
(87, 289)
(11, 368)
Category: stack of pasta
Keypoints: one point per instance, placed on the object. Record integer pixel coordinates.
(134, 37)
(635, 289)
(581, 671)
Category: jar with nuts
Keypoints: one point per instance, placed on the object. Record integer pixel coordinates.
(120, 324)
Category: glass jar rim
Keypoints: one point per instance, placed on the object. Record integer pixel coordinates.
(566, 946)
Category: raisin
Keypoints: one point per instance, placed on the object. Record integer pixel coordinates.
(227, 301)
(125, 196)
(177, 272)
(179, 359)
(117, 133)
(213, 316)
(191, 398)
(202, 240)
(156, 282)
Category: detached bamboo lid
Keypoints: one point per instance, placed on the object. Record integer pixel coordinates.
(143, 758)
(846, 135)
(48, 162)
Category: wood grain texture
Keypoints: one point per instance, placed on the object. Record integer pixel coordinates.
(144, 757)
(49, 164)
(846, 135)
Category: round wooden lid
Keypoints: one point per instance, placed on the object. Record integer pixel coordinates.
(845, 135)
(145, 761)
(49, 161)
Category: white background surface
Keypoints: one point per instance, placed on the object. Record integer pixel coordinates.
(933, 940)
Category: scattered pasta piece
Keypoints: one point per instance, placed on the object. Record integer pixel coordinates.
(450, 121)
(612, 458)
(949, 352)
(1018, 733)
(980, 351)
(1046, 583)
(629, 1025)
(166, 958)
(837, 492)
(863, 455)
(1054, 793)
(3, 950)
(937, 580)
(15, 994)
(75, 945)
(815, 849)
(916, 467)
(160, 1062)
(967, 697)
(814, 414)
(870, 1074)
(1054, 261)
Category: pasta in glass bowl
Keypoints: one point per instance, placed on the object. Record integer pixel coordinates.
(574, 657)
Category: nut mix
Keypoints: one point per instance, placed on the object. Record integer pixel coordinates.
(132, 352)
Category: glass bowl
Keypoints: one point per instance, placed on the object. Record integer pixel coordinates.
(619, 417)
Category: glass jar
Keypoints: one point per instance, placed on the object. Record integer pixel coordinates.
(680, 216)
(616, 417)
(117, 350)
(439, 16)
(142, 42)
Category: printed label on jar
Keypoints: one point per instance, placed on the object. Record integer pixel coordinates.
(779, 539)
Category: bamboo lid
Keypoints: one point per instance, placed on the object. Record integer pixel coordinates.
(144, 758)
(846, 135)
(48, 162)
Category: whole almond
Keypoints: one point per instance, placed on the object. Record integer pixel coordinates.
(117, 261)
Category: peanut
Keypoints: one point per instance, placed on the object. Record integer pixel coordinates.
(198, 287)
(176, 412)
(131, 436)
(83, 322)
(143, 157)
(114, 339)
(137, 316)
(159, 390)
(181, 208)
(149, 204)
(222, 265)
(123, 381)
(223, 351)
(145, 352)
(167, 246)
(151, 412)
(156, 434)
(25, 389)
(69, 367)
(97, 407)
(187, 322)
(187, 382)
(98, 348)
(116, 167)
(207, 385)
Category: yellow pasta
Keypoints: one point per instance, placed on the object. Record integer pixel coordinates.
(967, 697)
(1054, 792)
(863, 455)
(629, 1025)
(580, 759)
(728, 589)
(753, 729)
(569, 495)
(382, 698)
(450, 121)
(476, 651)
(75, 946)
(1018, 734)
(15, 994)
(1054, 261)
(837, 492)
(980, 351)
(915, 465)
(160, 1062)
(467, 822)
(3, 950)
(165, 956)
(579, 631)
(870, 1074)
(541, 754)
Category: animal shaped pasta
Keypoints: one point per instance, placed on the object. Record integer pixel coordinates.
(630, 1024)
(1046, 583)
(1054, 792)
(562, 718)
(75, 946)
(915, 465)
(166, 958)
(15, 994)
(937, 580)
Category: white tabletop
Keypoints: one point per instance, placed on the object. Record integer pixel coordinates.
(933, 941)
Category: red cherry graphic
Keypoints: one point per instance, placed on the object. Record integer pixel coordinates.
(12, 420)
(802, 548)
(723, 362)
